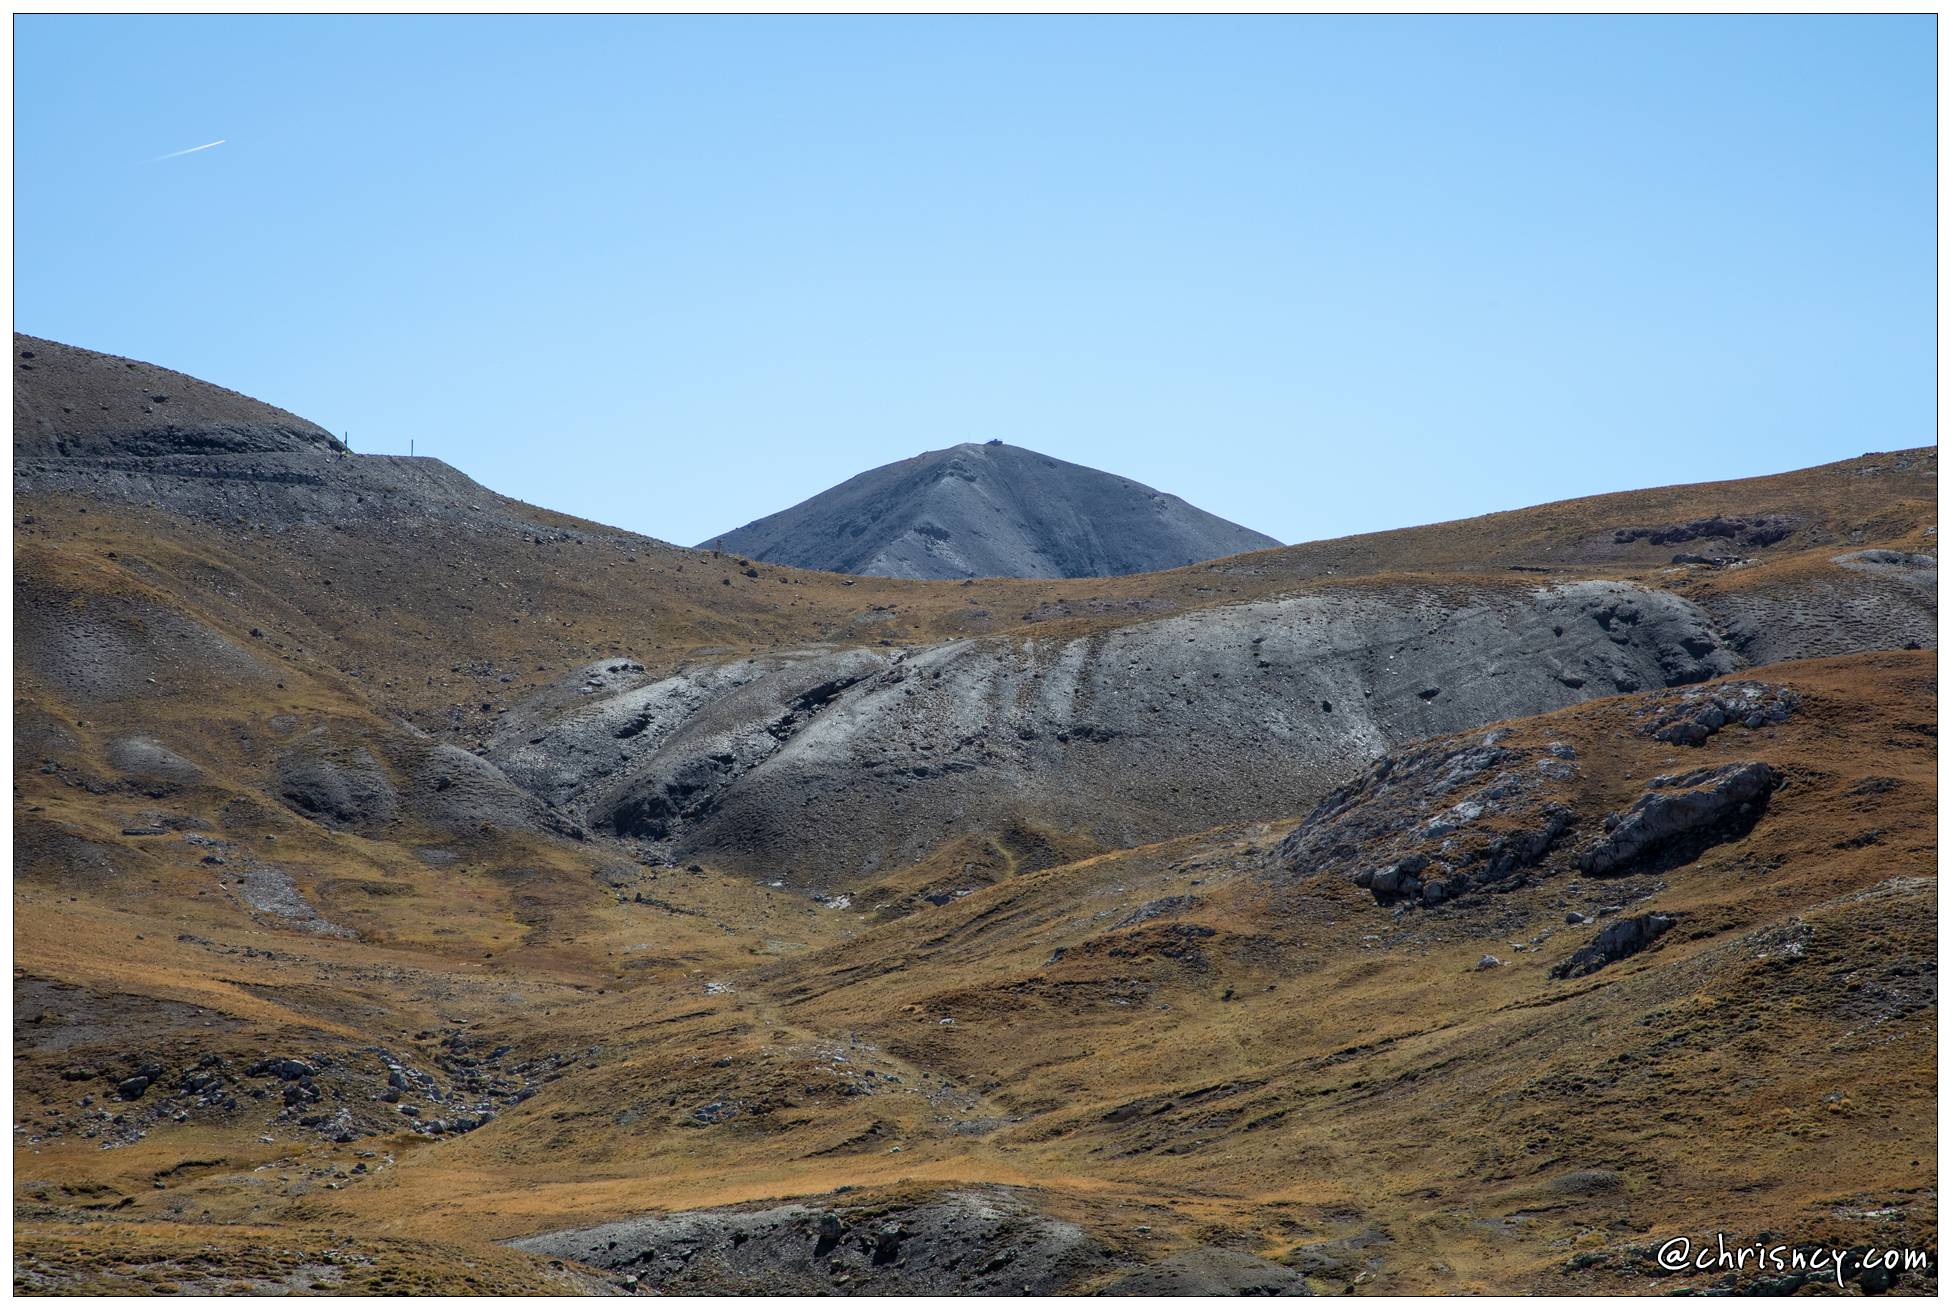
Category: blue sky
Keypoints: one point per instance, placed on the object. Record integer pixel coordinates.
(1318, 275)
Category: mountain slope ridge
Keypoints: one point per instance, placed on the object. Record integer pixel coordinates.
(344, 919)
(69, 400)
(990, 510)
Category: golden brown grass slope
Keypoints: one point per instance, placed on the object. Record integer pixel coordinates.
(1269, 1062)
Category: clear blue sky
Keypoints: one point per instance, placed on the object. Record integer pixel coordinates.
(1318, 275)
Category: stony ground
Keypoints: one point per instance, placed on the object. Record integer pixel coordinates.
(416, 890)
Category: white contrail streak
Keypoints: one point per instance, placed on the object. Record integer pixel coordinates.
(192, 150)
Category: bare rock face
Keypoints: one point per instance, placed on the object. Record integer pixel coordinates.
(126, 649)
(796, 760)
(1681, 815)
(1859, 606)
(1616, 941)
(990, 511)
(1432, 823)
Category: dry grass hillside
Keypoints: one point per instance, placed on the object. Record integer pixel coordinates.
(316, 990)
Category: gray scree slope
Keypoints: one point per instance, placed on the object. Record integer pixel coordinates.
(990, 511)
(821, 766)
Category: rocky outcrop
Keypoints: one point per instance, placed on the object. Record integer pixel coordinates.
(1680, 816)
(342, 782)
(1761, 530)
(991, 1241)
(1431, 824)
(1693, 717)
(1614, 942)
(796, 761)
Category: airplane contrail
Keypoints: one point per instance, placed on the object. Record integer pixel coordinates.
(192, 150)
